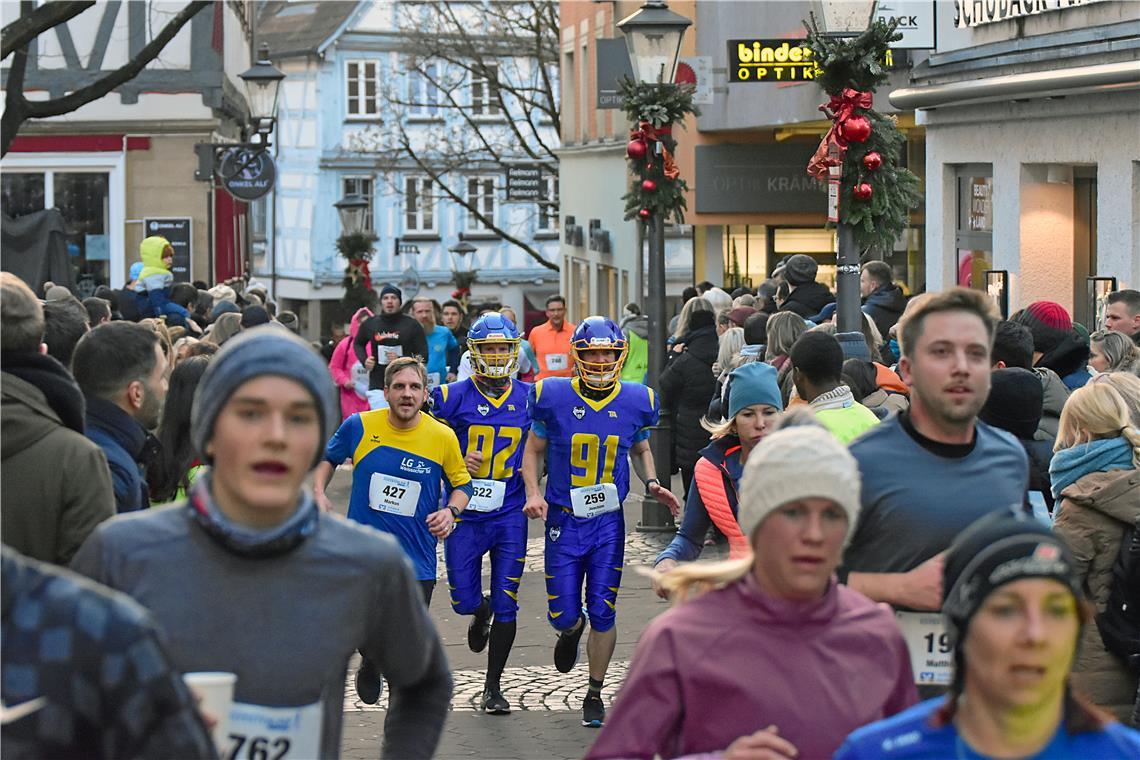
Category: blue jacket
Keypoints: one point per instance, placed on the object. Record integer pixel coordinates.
(128, 447)
(690, 538)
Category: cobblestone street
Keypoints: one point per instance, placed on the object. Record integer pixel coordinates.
(546, 705)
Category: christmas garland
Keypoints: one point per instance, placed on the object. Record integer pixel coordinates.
(357, 249)
(876, 194)
(657, 188)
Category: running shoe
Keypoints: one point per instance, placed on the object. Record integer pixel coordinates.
(593, 712)
(479, 629)
(566, 648)
(494, 703)
(369, 683)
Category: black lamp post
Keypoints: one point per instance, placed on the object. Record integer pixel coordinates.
(653, 36)
(262, 84)
(845, 18)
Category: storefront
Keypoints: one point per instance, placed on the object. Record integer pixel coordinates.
(1033, 177)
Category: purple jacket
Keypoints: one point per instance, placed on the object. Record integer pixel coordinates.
(735, 661)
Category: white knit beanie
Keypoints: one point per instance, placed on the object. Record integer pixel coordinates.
(797, 463)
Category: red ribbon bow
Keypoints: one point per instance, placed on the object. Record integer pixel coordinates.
(648, 133)
(361, 266)
(833, 146)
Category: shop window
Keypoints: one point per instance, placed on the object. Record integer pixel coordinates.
(974, 236)
(23, 193)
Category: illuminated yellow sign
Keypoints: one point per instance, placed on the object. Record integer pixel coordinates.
(774, 61)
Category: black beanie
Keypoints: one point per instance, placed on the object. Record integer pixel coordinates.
(1045, 337)
(1000, 548)
(391, 290)
(252, 316)
(1015, 403)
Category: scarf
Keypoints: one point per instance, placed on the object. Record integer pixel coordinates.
(837, 398)
(1072, 464)
(253, 543)
(53, 380)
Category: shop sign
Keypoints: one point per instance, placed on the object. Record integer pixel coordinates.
(524, 182)
(757, 179)
(697, 71)
(613, 66)
(784, 60)
(916, 22)
(178, 232)
(971, 13)
(247, 174)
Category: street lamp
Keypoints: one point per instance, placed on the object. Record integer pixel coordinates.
(262, 83)
(463, 267)
(352, 210)
(653, 36)
(845, 18)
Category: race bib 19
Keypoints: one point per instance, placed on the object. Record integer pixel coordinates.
(274, 733)
(396, 496)
(486, 495)
(557, 362)
(931, 656)
(591, 501)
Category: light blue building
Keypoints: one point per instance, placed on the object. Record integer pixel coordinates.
(345, 104)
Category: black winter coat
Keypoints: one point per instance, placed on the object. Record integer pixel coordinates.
(687, 386)
(808, 300)
(885, 306)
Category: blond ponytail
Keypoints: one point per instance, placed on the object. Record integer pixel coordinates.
(1132, 435)
(692, 579)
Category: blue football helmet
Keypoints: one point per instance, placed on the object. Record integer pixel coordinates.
(598, 333)
(493, 328)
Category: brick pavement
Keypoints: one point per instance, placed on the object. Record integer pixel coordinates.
(546, 705)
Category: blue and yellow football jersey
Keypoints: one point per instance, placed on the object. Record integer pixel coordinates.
(496, 428)
(588, 441)
(397, 478)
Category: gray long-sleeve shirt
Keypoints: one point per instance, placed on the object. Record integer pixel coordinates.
(287, 624)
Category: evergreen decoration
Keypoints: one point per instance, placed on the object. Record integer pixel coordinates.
(357, 250)
(655, 109)
(846, 64)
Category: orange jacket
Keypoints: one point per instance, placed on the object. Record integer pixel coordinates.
(555, 346)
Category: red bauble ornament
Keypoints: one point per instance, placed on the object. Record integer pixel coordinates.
(863, 191)
(872, 161)
(856, 129)
(648, 186)
(644, 213)
(636, 150)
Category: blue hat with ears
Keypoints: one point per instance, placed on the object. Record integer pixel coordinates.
(753, 383)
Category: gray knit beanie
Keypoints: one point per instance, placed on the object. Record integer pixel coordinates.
(797, 463)
(263, 350)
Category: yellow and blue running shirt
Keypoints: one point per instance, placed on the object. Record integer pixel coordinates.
(588, 441)
(495, 427)
(398, 476)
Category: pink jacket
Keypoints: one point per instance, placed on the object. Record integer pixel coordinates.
(734, 661)
(340, 367)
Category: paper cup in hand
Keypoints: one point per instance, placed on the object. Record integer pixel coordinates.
(215, 695)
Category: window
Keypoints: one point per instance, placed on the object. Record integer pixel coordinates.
(548, 206)
(361, 79)
(485, 92)
(481, 196)
(361, 186)
(419, 205)
(423, 94)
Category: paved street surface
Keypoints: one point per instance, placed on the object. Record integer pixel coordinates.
(546, 705)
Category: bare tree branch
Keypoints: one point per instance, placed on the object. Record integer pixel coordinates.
(39, 109)
(29, 26)
(509, 46)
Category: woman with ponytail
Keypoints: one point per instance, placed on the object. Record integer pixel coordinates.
(774, 658)
(1097, 485)
(753, 405)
